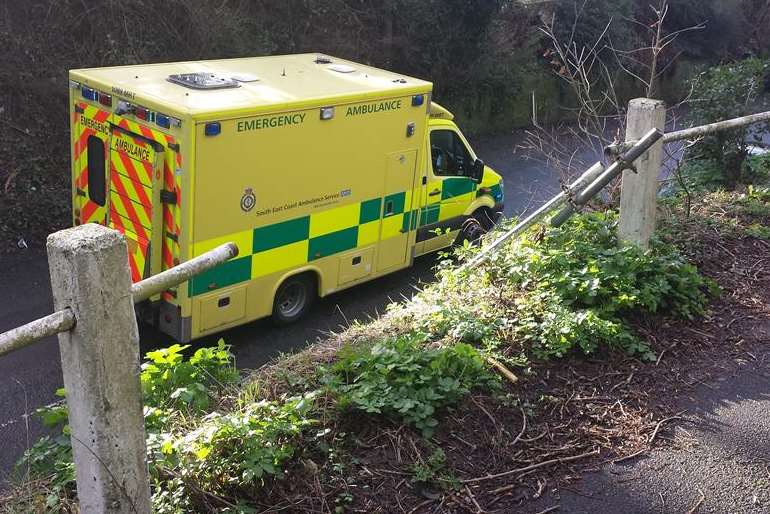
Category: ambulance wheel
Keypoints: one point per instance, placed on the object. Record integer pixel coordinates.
(471, 230)
(293, 299)
(486, 218)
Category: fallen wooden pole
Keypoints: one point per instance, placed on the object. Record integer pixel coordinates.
(586, 178)
(503, 370)
(623, 162)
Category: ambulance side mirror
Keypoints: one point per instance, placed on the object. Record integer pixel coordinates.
(477, 173)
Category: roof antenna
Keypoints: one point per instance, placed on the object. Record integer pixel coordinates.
(283, 74)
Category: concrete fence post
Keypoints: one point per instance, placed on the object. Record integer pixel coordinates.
(639, 190)
(100, 364)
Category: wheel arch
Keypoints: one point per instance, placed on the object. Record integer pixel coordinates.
(311, 271)
(481, 202)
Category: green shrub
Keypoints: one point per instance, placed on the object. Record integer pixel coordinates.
(755, 203)
(758, 231)
(724, 92)
(758, 169)
(554, 291)
(226, 452)
(405, 380)
(578, 283)
(170, 381)
(434, 472)
(175, 390)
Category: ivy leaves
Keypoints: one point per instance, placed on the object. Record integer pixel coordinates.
(406, 380)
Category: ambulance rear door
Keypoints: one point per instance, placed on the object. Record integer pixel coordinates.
(135, 209)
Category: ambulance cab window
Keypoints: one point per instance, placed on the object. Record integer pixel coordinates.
(97, 189)
(449, 155)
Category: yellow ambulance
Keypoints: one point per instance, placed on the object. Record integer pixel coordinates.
(326, 173)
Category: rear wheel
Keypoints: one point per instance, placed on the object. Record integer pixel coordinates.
(293, 299)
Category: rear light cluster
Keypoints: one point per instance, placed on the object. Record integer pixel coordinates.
(141, 113)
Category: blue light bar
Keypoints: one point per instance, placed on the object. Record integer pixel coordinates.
(89, 94)
(162, 120)
(213, 128)
(418, 100)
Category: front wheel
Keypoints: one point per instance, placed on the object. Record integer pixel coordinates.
(293, 299)
(471, 230)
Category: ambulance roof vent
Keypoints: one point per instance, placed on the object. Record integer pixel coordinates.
(245, 77)
(203, 80)
(342, 68)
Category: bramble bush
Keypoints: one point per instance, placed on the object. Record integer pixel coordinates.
(171, 381)
(405, 380)
(579, 282)
(562, 289)
(226, 453)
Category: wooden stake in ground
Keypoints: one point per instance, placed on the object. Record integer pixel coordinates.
(638, 200)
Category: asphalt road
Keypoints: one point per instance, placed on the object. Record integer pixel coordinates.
(30, 377)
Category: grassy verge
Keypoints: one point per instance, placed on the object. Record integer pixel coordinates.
(406, 411)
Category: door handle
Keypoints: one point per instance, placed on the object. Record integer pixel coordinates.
(435, 192)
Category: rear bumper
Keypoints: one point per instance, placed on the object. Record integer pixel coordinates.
(167, 318)
(172, 323)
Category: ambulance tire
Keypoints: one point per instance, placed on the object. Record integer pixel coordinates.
(471, 231)
(486, 218)
(294, 298)
(476, 226)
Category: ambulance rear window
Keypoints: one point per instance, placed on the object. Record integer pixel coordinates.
(97, 190)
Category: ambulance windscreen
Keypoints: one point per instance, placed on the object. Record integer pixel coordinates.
(203, 80)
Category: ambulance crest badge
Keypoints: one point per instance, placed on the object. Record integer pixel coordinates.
(248, 200)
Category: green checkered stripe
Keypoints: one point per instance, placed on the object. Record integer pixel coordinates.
(431, 213)
(292, 232)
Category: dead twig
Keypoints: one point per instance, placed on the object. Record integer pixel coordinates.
(533, 466)
(479, 510)
(629, 457)
(420, 505)
(523, 428)
(660, 423)
(16, 128)
(502, 370)
(486, 412)
(698, 503)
